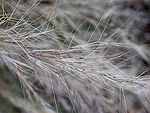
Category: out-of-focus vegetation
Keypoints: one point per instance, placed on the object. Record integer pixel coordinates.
(74, 56)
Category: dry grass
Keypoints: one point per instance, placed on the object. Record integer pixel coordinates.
(69, 57)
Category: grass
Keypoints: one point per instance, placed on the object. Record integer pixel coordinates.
(71, 57)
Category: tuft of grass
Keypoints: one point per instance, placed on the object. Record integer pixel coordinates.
(71, 56)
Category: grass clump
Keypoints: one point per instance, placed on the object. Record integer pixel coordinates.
(71, 57)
